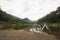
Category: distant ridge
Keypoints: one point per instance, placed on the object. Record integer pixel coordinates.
(27, 20)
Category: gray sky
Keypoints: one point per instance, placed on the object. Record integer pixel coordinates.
(32, 9)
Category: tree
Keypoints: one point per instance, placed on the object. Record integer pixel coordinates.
(54, 16)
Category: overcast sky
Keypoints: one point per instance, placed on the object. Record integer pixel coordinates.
(32, 9)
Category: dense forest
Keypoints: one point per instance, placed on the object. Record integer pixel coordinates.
(8, 21)
(52, 17)
(9, 18)
(52, 20)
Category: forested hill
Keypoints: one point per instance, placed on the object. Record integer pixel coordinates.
(8, 21)
(52, 17)
(9, 18)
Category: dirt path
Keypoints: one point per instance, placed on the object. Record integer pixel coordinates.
(24, 35)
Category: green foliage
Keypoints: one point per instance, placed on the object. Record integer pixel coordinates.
(52, 20)
(8, 21)
(53, 17)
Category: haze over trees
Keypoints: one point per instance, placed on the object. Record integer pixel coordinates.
(52, 17)
(8, 21)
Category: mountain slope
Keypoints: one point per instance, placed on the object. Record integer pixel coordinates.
(27, 20)
(7, 17)
(8, 21)
(54, 16)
